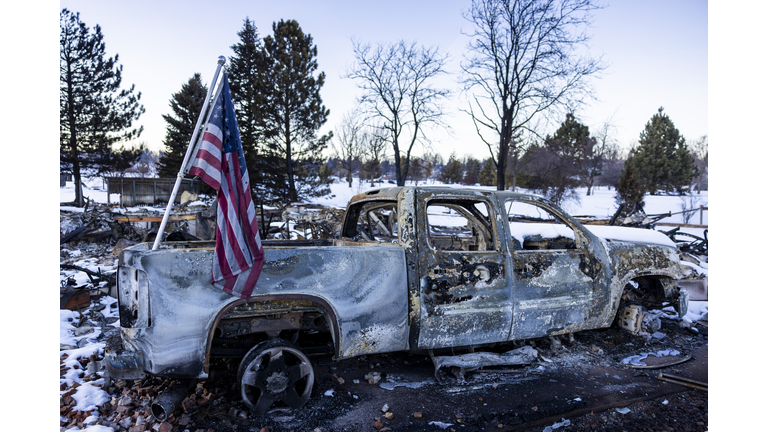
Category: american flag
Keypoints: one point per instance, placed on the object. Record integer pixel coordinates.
(218, 160)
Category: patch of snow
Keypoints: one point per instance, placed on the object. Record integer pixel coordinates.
(696, 310)
(637, 359)
(699, 269)
(441, 425)
(393, 382)
(74, 375)
(637, 235)
(557, 425)
(89, 397)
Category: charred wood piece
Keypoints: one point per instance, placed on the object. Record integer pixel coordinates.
(77, 233)
(689, 243)
(96, 277)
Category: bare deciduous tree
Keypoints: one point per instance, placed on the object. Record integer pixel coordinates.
(523, 62)
(613, 162)
(700, 150)
(518, 147)
(559, 165)
(605, 147)
(374, 146)
(347, 143)
(398, 93)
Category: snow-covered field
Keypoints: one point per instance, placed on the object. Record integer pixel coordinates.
(600, 204)
(81, 341)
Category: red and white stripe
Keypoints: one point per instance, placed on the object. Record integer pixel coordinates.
(239, 254)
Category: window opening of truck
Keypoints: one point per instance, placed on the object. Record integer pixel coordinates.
(460, 225)
(534, 227)
(375, 222)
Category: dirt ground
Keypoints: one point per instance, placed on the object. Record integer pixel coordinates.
(580, 382)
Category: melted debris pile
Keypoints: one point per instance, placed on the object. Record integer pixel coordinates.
(300, 221)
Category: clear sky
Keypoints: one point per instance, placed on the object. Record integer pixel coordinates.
(656, 50)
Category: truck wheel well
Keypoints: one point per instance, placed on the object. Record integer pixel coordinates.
(644, 288)
(640, 295)
(244, 324)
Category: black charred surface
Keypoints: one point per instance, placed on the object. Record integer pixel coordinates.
(280, 267)
(628, 257)
(443, 281)
(127, 315)
(591, 267)
(528, 268)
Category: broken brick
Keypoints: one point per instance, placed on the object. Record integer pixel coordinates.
(378, 424)
(123, 409)
(188, 404)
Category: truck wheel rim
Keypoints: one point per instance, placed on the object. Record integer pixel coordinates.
(277, 376)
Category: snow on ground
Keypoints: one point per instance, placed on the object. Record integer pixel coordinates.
(601, 204)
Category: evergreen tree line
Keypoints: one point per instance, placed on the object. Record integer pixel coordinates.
(572, 157)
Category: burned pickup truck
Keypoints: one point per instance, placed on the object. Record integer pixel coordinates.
(414, 269)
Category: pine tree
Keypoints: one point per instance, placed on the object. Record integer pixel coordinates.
(629, 191)
(293, 111)
(471, 171)
(244, 81)
(186, 106)
(248, 85)
(662, 161)
(487, 175)
(558, 166)
(452, 172)
(94, 113)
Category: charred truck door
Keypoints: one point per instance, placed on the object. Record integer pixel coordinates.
(556, 272)
(465, 290)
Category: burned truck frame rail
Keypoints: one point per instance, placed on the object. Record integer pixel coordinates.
(414, 269)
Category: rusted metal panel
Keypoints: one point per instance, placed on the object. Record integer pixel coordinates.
(556, 292)
(465, 295)
(150, 190)
(562, 290)
(369, 301)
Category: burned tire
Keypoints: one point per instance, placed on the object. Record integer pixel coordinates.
(275, 374)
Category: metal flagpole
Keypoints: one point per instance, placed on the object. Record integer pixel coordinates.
(180, 175)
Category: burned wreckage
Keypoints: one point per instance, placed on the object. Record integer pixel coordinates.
(414, 269)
